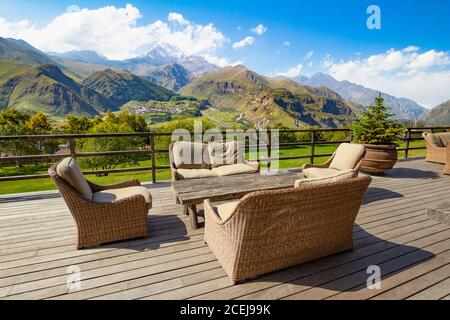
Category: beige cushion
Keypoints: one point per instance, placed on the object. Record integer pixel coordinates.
(69, 170)
(443, 137)
(184, 155)
(319, 172)
(196, 173)
(225, 210)
(340, 176)
(233, 169)
(347, 156)
(110, 196)
(225, 153)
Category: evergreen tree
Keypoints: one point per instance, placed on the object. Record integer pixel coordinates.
(376, 125)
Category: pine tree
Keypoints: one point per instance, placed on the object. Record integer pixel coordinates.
(376, 125)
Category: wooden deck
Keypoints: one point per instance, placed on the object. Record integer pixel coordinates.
(37, 251)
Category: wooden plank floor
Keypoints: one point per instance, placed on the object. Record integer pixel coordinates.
(37, 251)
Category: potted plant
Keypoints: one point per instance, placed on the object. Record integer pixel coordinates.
(378, 132)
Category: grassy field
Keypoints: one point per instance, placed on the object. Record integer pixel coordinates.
(9, 187)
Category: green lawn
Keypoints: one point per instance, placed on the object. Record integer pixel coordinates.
(9, 187)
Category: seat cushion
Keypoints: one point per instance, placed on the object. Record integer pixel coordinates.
(225, 210)
(113, 195)
(190, 155)
(234, 169)
(319, 172)
(70, 171)
(196, 173)
(227, 153)
(339, 176)
(347, 156)
(444, 137)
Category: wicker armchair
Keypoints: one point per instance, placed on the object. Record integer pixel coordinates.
(102, 222)
(347, 156)
(274, 229)
(436, 146)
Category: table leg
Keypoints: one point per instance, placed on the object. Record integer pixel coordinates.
(192, 210)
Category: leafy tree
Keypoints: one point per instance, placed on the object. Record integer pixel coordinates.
(120, 123)
(14, 123)
(376, 125)
(77, 125)
(39, 124)
(284, 137)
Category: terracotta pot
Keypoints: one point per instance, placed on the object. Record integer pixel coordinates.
(379, 158)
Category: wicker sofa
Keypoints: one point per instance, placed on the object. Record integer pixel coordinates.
(436, 144)
(348, 156)
(274, 229)
(208, 160)
(102, 213)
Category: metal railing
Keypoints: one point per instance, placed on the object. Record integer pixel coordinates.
(411, 134)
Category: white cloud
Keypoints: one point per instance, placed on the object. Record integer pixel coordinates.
(222, 62)
(327, 62)
(423, 77)
(411, 49)
(260, 29)
(286, 43)
(176, 17)
(247, 41)
(293, 72)
(309, 55)
(116, 33)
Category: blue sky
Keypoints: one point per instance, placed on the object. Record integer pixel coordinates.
(301, 37)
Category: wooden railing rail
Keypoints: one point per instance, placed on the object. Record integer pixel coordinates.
(149, 148)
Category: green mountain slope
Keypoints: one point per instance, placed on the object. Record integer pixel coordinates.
(172, 77)
(122, 87)
(264, 101)
(20, 51)
(438, 116)
(46, 88)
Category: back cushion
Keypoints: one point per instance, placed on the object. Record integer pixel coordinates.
(341, 176)
(190, 155)
(226, 153)
(444, 137)
(69, 170)
(435, 140)
(347, 156)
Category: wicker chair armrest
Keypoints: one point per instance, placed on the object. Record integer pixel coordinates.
(323, 165)
(212, 212)
(121, 185)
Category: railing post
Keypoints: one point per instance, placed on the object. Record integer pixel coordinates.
(152, 154)
(313, 146)
(269, 149)
(408, 137)
(73, 148)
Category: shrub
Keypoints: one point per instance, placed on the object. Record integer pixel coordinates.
(376, 125)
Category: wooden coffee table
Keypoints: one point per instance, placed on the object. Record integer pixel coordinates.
(191, 193)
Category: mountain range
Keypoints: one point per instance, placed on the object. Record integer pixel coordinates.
(438, 116)
(264, 101)
(403, 109)
(160, 55)
(85, 82)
